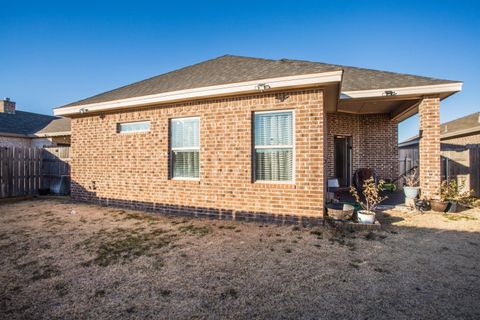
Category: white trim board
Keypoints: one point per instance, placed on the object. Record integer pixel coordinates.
(417, 90)
(206, 92)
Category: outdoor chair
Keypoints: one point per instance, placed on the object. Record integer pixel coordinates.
(361, 175)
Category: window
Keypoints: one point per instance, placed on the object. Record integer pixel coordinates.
(274, 155)
(185, 147)
(128, 127)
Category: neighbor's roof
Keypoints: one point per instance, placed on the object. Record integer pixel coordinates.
(462, 126)
(31, 124)
(59, 125)
(232, 69)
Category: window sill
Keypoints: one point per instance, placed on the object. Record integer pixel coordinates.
(192, 180)
(132, 133)
(275, 184)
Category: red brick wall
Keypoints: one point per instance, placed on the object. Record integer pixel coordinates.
(429, 147)
(134, 167)
(374, 142)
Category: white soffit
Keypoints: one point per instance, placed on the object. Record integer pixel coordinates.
(406, 91)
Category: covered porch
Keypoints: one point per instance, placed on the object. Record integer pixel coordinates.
(362, 132)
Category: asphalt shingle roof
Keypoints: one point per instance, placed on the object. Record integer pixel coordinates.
(57, 125)
(28, 123)
(231, 69)
(470, 121)
(460, 124)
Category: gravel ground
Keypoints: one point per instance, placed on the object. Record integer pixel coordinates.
(64, 260)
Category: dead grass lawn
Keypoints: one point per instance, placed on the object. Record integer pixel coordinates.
(66, 260)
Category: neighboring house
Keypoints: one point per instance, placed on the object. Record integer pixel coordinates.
(238, 136)
(460, 150)
(27, 129)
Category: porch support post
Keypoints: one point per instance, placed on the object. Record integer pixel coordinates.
(429, 147)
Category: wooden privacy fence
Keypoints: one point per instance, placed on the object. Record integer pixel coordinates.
(463, 165)
(28, 171)
(408, 159)
(56, 169)
(20, 173)
(457, 162)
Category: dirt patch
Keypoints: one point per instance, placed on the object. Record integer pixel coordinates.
(60, 259)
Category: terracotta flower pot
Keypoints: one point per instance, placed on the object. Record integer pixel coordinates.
(439, 205)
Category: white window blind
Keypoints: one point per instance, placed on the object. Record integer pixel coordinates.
(274, 144)
(139, 126)
(185, 147)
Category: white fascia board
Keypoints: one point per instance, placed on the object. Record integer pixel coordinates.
(52, 134)
(206, 92)
(14, 135)
(418, 90)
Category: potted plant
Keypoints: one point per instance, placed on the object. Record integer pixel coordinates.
(452, 194)
(440, 205)
(371, 192)
(411, 188)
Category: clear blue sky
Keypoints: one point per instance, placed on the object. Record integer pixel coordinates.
(56, 52)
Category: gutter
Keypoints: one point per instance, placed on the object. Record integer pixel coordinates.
(14, 135)
(36, 135)
(51, 134)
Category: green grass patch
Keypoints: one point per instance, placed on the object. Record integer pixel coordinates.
(61, 288)
(122, 245)
(46, 272)
(140, 217)
(199, 231)
(317, 233)
(229, 293)
(227, 227)
(458, 217)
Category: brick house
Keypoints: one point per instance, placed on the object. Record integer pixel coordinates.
(27, 129)
(236, 136)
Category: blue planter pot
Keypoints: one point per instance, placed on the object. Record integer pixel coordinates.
(411, 192)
